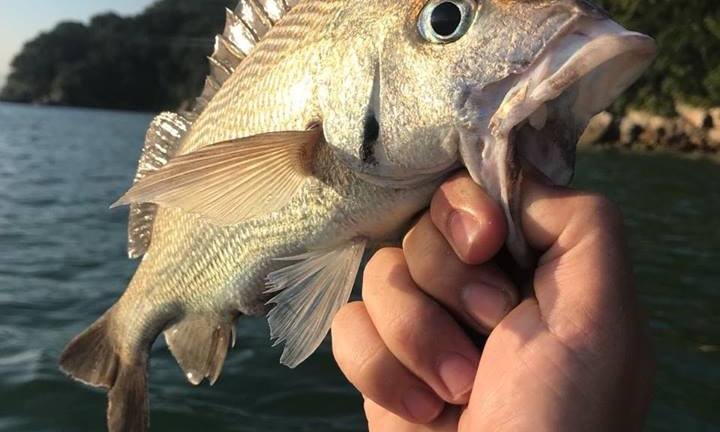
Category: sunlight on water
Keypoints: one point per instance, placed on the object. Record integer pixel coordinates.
(62, 262)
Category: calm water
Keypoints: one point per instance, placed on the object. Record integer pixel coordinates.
(62, 262)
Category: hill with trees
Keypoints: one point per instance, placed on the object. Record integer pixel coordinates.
(156, 60)
(688, 65)
(152, 61)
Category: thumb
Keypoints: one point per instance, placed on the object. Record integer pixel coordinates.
(584, 272)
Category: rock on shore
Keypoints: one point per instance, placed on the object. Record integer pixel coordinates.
(692, 130)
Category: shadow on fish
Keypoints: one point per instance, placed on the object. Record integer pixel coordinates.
(324, 126)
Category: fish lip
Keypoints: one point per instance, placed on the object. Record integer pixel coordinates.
(607, 47)
(414, 181)
(576, 61)
(494, 118)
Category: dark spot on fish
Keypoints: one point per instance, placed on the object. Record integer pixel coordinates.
(371, 132)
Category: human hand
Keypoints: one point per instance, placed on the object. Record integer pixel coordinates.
(574, 357)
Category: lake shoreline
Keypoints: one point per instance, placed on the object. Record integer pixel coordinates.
(64, 261)
(693, 130)
(605, 132)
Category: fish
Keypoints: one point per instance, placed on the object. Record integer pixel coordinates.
(323, 128)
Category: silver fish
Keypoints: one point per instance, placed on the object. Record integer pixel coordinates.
(323, 128)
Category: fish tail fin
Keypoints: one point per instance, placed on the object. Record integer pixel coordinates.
(128, 399)
(92, 358)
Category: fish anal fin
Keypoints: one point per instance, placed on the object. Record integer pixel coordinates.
(311, 291)
(200, 344)
(232, 181)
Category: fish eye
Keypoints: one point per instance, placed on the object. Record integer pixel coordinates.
(446, 21)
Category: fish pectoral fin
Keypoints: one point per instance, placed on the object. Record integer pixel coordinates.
(200, 344)
(311, 291)
(232, 181)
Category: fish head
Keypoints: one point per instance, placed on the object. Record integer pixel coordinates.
(415, 87)
(432, 85)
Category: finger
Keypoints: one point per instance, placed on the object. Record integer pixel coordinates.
(479, 295)
(417, 330)
(471, 221)
(375, 372)
(382, 420)
(581, 236)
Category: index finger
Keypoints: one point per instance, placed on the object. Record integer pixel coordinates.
(471, 221)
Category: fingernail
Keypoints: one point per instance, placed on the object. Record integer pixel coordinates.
(422, 405)
(464, 228)
(487, 304)
(457, 372)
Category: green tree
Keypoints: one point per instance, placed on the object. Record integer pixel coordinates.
(156, 60)
(152, 61)
(688, 63)
(41, 59)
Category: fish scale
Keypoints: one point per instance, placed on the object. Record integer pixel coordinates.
(323, 128)
(235, 260)
(255, 99)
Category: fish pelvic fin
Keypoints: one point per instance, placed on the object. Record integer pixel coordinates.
(200, 344)
(92, 358)
(311, 291)
(232, 181)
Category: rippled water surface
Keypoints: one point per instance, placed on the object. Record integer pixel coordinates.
(63, 262)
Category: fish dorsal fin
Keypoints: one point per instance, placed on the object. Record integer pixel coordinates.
(162, 141)
(230, 182)
(244, 27)
(311, 291)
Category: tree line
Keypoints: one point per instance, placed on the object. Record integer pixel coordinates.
(156, 60)
(152, 61)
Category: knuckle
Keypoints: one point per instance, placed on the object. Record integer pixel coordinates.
(357, 354)
(346, 315)
(341, 355)
(342, 351)
(601, 212)
(386, 267)
(382, 261)
(362, 367)
(409, 337)
(425, 275)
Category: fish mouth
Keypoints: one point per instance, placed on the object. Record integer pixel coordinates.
(543, 110)
(580, 74)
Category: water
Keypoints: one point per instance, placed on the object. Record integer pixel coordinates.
(62, 262)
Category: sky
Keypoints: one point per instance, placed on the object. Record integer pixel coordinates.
(22, 20)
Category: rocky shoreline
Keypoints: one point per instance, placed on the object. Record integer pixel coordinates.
(692, 130)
